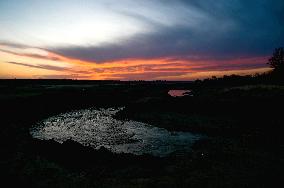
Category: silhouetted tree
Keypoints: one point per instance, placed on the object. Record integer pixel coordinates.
(277, 60)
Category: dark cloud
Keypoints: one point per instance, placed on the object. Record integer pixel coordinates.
(46, 67)
(54, 68)
(227, 67)
(63, 76)
(143, 76)
(230, 29)
(14, 45)
(31, 55)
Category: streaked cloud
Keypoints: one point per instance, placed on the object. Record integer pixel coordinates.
(25, 64)
(47, 67)
(216, 30)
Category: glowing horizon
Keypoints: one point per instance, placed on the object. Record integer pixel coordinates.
(38, 63)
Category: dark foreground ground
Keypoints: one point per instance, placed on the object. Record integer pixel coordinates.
(243, 122)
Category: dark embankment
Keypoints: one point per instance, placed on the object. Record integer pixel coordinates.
(243, 121)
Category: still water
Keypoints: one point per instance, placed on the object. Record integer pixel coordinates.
(97, 128)
(179, 93)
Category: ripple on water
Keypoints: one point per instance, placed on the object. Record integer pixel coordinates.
(97, 128)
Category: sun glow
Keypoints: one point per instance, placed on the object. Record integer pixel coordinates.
(27, 62)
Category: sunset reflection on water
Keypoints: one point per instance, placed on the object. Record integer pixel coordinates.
(179, 93)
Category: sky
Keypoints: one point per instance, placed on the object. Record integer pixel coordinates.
(138, 40)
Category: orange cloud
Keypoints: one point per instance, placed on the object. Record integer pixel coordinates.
(23, 62)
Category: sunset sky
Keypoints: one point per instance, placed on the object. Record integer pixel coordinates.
(137, 40)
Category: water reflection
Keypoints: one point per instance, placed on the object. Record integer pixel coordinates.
(97, 127)
(180, 93)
